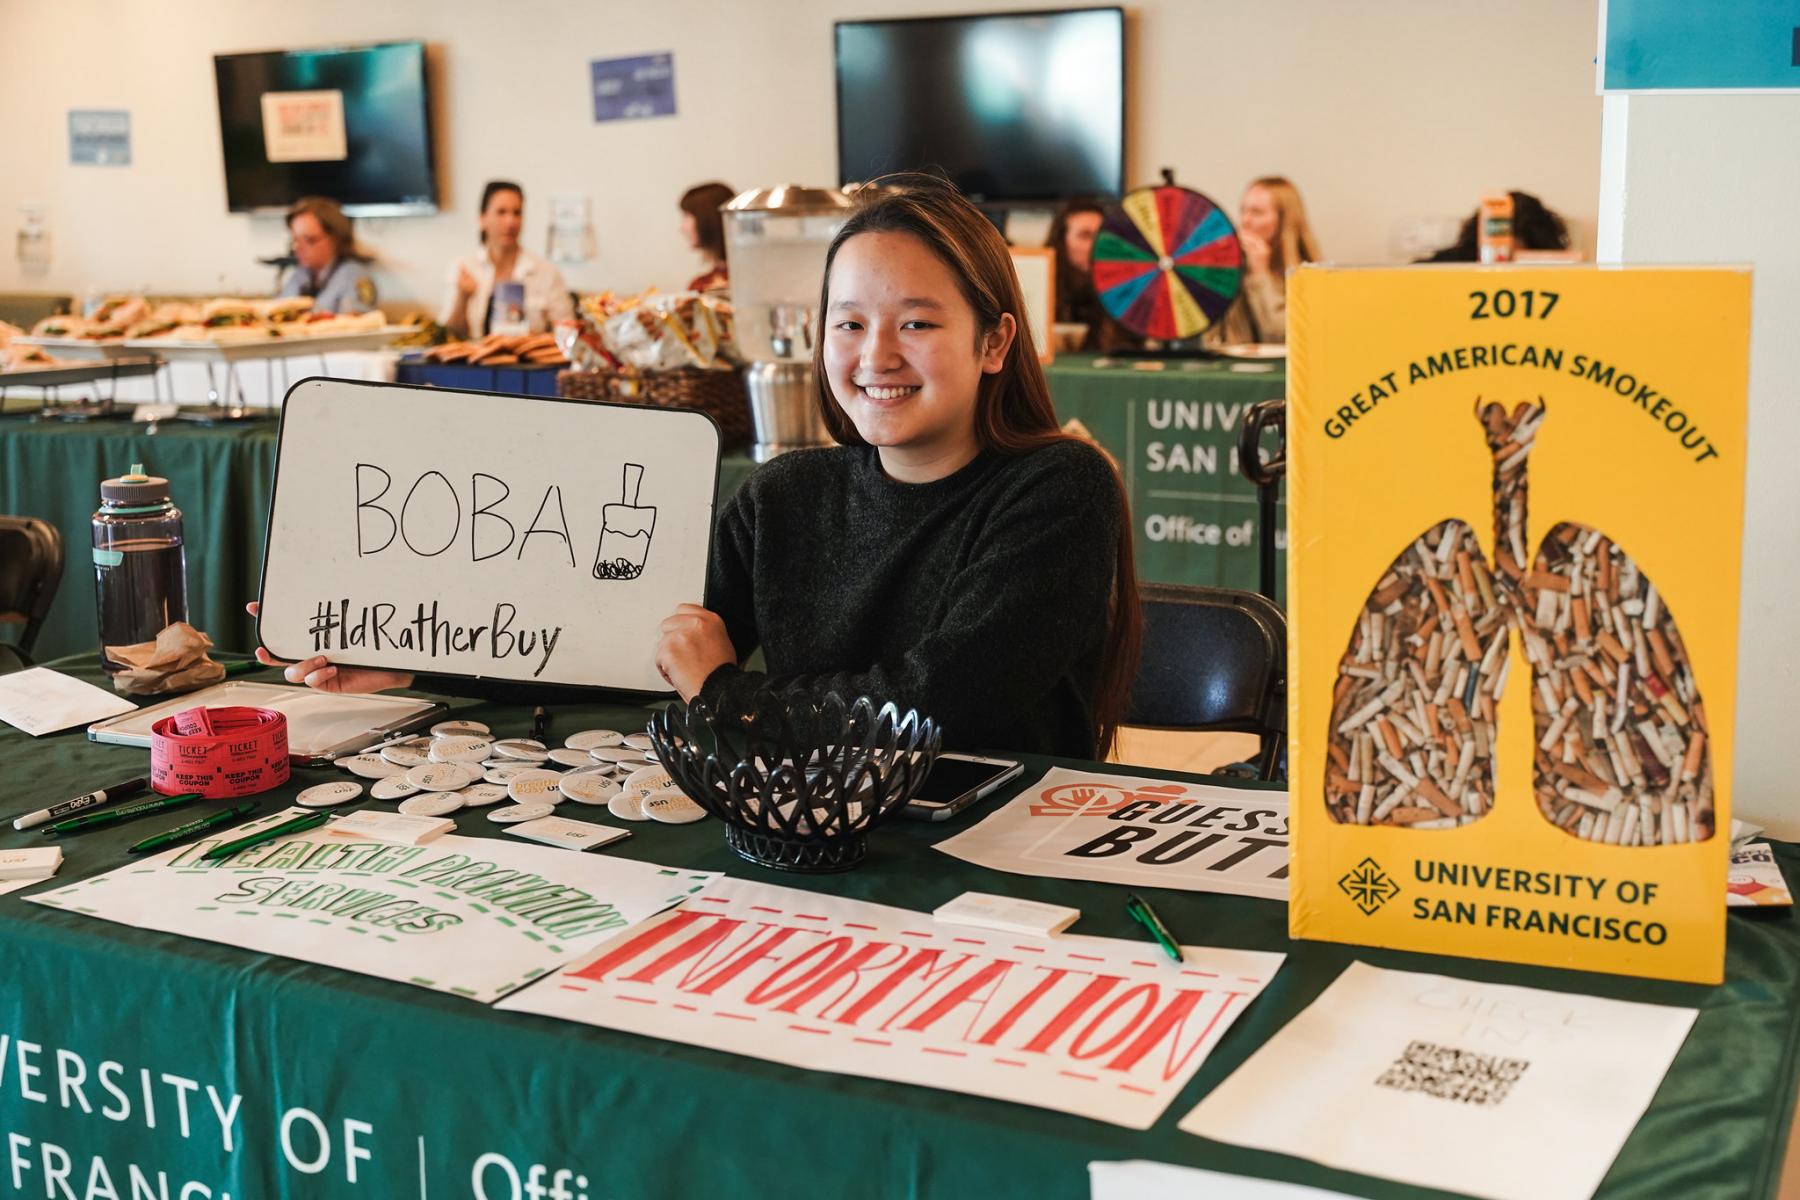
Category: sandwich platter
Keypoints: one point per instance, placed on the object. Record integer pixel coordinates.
(267, 347)
(78, 347)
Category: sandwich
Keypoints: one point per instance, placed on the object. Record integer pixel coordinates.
(60, 326)
(225, 313)
(283, 309)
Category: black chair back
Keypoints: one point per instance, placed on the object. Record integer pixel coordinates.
(1213, 660)
(31, 566)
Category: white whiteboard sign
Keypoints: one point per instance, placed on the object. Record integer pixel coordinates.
(461, 533)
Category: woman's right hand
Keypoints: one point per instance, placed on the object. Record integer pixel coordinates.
(317, 672)
(1256, 253)
(465, 282)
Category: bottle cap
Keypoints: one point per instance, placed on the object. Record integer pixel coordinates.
(135, 487)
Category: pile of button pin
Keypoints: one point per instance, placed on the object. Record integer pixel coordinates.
(461, 765)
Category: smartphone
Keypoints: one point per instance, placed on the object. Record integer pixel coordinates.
(957, 781)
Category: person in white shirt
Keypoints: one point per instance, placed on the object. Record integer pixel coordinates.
(477, 301)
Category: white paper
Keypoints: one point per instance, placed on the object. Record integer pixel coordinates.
(41, 701)
(1140, 832)
(1140, 1179)
(8, 886)
(1754, 879)
(472, 917)
(1504, 1092)
(1093, 1026)
(304, 126)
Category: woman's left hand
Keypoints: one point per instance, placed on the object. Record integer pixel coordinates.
(694, 644)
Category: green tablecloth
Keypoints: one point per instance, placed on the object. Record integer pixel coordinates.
(220, 478)
(441, 1082)
(1173, 430)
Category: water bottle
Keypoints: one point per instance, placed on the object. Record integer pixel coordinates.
(140, 562)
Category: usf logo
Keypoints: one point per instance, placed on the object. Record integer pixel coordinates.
(1368, 886)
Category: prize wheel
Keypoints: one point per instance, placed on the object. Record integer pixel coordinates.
(1167, 263)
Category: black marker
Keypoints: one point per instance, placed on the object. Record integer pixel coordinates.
(92, 800)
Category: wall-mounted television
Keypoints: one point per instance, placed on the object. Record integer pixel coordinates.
(1014, 107)
(352, 123)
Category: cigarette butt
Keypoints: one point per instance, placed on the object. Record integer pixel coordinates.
(1659, 651)
(1466, 632)
(1389, 737)
(1437, 594)
(1584, 631)
(1438, 800)
(1338, 756)
(1544, 580)
(1613, 648)
(1413, 815)
(1579, 680)
(1690, 764)
(1465, 573)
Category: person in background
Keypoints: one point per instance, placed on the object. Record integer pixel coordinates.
(1072, 235)
(1276, 237)
(328, 265)
(704, 228)
(1534, 227)
(475, 291)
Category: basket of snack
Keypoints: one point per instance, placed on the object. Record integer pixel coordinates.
(670, 350)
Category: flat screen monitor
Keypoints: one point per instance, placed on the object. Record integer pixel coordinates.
(1014, 107)
(351, 123)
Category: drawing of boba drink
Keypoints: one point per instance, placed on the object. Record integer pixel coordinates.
(625, 530)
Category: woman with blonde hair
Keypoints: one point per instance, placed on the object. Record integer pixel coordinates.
(1276, 237)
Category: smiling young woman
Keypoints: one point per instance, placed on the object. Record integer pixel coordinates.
(957, 553)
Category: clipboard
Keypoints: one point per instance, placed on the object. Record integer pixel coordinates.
(319, 723)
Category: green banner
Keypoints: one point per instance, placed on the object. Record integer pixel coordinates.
(1173, 431)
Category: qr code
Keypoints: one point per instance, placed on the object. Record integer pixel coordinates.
(1452, 1074)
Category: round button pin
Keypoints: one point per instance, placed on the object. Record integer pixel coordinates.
(459, 729)
(394, 787)
(648, 779)
(460, 749)
(613, 754)
(371, 766)
(637, 741)
(672, 808)
(514, 813)
(441, 777)
(402, 755)
(325, 795)
(627, 806)
(507, 772)
(588, 788)
(571, 758)
(431, 804)
(533, 789)
(523, 749)
(480, 795)
(593, 739)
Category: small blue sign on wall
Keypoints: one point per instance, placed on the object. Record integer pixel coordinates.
(99, 137)
(628, 88)
(1681, 46)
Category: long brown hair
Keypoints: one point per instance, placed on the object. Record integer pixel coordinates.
(332, 220)
(1013, 414)
(1294, 240)
(702, 202)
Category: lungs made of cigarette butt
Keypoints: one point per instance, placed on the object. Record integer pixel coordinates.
(1621, 750)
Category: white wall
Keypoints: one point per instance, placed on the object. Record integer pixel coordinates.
(1713, 179)
(1384, 113)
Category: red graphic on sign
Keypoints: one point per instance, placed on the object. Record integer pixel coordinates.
(1090, 800)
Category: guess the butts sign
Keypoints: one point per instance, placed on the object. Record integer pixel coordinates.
(510, 537)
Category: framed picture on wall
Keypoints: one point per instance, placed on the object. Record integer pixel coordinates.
(1036, 269)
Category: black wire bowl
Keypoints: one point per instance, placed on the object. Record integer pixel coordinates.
(800, 784)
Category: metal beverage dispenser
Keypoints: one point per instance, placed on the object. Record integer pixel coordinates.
(776, 239)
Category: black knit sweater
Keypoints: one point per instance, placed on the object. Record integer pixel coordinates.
(979, 599)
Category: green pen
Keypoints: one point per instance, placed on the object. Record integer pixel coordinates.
(298, 824)
(170, 836)
(242, 668)
(94, 820)
(1146, 916)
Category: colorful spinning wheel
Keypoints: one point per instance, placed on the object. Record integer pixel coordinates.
(1167, 262)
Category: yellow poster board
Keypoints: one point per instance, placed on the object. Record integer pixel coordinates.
(1516, 518)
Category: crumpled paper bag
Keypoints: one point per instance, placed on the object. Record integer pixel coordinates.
(175, 662)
